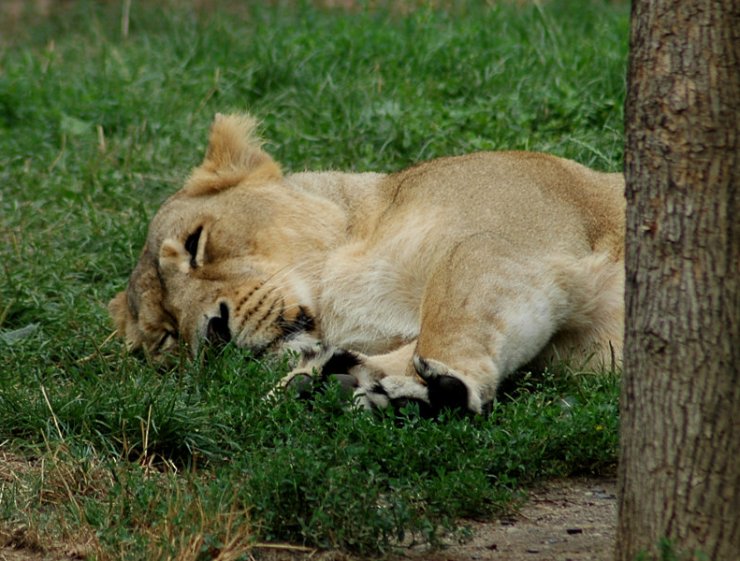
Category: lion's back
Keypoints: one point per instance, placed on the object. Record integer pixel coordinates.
(532, 201)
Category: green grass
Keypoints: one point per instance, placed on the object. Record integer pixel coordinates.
(95, 130)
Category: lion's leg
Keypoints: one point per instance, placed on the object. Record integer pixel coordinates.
(485, 312)
(592, 335)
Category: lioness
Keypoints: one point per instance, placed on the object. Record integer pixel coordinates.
(428, 285)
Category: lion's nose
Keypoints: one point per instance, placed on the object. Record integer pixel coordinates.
(218, 331)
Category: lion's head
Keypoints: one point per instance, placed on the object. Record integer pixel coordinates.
(232, 256)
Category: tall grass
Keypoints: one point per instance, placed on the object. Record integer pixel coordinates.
(96, 129)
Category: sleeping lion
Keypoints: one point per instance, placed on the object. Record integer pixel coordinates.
(426, 286)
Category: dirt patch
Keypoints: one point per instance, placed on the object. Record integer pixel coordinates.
(563, 520)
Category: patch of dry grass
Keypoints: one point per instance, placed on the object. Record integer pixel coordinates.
(51, 495)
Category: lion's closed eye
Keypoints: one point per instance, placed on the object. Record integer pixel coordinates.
(165, 343)
(192, 244)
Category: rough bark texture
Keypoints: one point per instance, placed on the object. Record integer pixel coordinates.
(680, 453)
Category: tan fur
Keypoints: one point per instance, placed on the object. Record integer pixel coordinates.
(461, 268)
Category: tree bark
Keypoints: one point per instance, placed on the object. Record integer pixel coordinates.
(679, 474)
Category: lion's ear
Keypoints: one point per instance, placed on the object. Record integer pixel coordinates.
(173, 257)
(234, 154)
(233, 143)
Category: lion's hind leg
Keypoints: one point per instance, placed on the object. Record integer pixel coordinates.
(486, 311)
(473, 336)
(592, 333)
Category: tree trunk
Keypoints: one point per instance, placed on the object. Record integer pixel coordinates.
(679, 474)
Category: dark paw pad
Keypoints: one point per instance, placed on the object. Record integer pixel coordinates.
(340, 362)
(447, 392)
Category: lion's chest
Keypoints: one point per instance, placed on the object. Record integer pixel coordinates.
(371, 294)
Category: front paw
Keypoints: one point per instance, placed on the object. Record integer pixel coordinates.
(446, 388)
(319, 367)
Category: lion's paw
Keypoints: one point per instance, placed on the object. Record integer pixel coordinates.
(446, 388)
(317, 368)
(434, 388)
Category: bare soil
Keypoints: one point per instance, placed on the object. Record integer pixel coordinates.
(564, 520)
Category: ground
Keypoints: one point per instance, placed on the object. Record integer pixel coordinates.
(563, 520)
